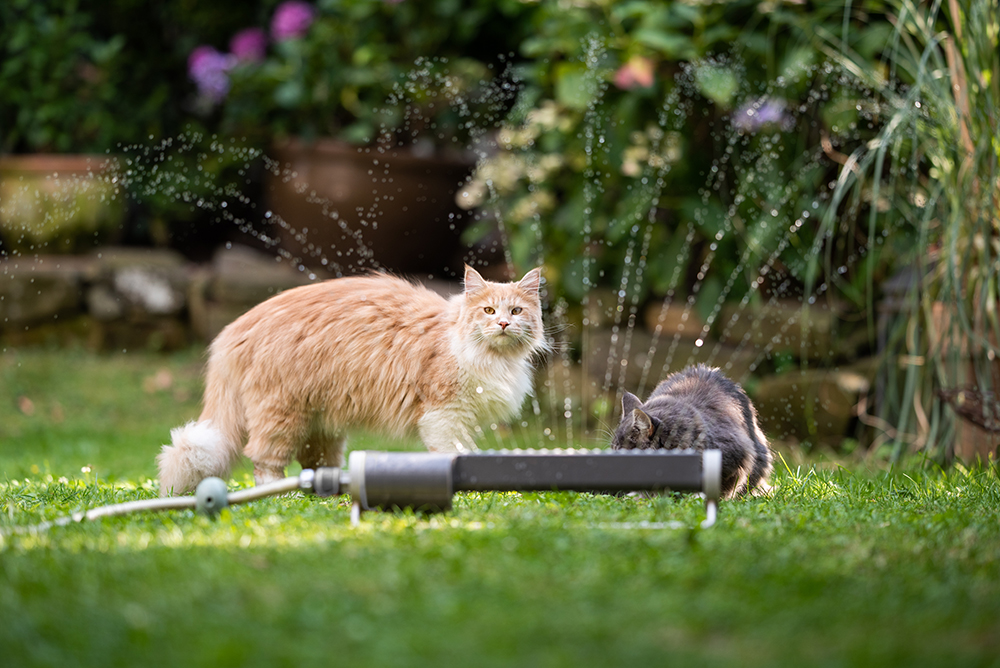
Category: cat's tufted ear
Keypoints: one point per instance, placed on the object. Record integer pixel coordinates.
(629, 403)
(642, 423)
(473, 281)
(531, 281)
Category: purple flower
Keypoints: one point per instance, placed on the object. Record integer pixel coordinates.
(291, 19)
(208, 69)
(756, 114)
(249, 44)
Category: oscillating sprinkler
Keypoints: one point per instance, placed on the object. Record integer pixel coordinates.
(427, 481)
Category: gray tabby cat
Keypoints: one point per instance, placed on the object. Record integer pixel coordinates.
(700, 408)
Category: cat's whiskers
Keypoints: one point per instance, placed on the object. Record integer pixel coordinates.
(604, 431)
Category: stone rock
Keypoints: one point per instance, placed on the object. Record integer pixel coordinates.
(111, 258)
(638, 361)
(238, 279)
(673, 319)
(819, 332)
(197, 298)
(139, 280)
(817, 406)
(70, 330)
(216, 316)
(245, 276)
(148, 290)
(152, 333)
(38, 289)
(104, 304)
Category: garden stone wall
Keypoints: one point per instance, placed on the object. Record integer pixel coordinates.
(144, 299)
(126, 298)
(806, 402)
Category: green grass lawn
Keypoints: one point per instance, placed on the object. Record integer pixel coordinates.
(842, 566)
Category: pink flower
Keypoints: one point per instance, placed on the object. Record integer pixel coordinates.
(637, 72)
(249, 44)
(291, 19)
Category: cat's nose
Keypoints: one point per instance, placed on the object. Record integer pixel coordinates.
(503, 324)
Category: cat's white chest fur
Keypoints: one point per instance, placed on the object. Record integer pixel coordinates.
(491, 387)
(495, 389)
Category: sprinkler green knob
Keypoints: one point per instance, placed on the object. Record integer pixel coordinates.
(211, 496)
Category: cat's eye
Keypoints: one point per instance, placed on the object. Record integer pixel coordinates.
(516, 310)
(490, 310)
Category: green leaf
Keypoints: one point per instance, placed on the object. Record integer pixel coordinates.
(841, 112)
(689, 14)
(797, 62)
(103, 52)
(576, 86)
(873, 39)
(671, 45)
(717, 83)
(630, 10)
(720, 33)
(289, 94)
(708, 296)
(709, 217)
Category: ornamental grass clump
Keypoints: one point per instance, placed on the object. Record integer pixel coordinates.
(932, 175)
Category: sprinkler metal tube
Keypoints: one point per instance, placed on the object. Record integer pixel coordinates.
(428, 480)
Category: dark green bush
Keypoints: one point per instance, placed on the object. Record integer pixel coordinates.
(59, 82)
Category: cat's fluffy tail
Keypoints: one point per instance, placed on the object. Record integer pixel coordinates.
(209, 446)
(198, 450)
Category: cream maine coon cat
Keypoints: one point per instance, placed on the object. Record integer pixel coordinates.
(292, 375)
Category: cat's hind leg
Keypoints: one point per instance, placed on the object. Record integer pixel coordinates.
(763, 463)
(737, 463)
(275, 436)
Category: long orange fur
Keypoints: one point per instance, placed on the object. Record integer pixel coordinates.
(291, 376)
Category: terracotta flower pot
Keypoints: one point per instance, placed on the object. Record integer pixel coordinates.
(57, 203)
(348, 210)
(974, 376)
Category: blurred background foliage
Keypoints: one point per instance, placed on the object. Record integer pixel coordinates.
(622, 113)
(694, 152)
(367, 68)
(694, 128)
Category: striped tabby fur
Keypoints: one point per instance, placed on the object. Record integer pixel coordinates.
(700, 408)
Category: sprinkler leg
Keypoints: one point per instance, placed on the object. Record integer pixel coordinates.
(356, 514)
(711, 510)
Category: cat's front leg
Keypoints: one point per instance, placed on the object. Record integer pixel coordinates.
(445, 430)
